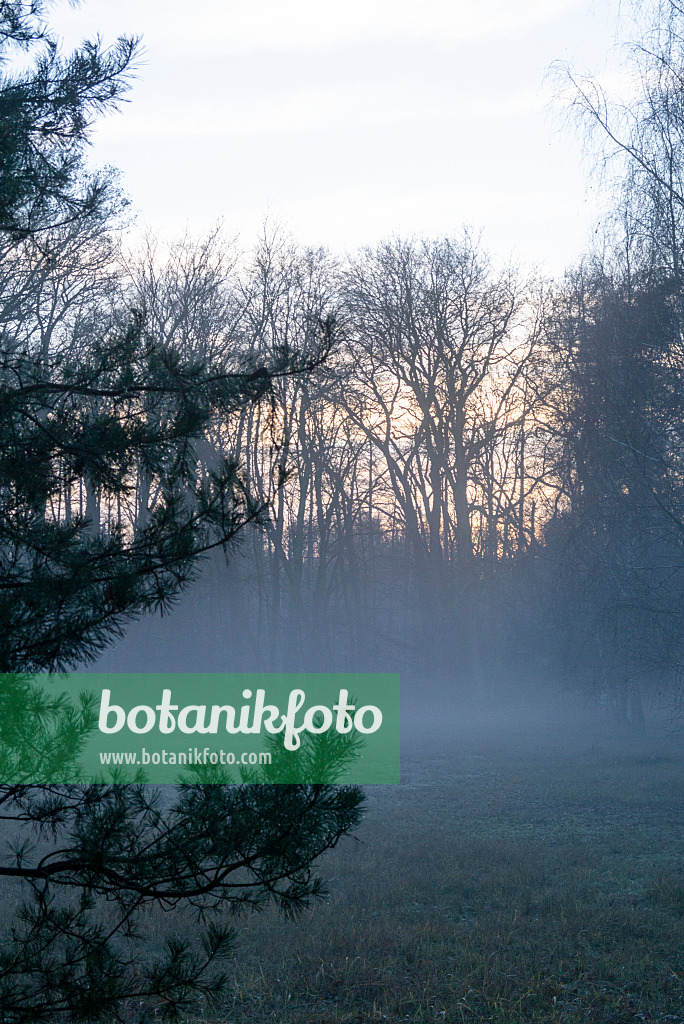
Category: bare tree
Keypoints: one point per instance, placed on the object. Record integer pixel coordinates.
(439, 344)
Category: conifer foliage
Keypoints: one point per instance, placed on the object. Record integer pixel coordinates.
(79, 423)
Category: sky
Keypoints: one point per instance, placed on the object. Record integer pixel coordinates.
(346, 121)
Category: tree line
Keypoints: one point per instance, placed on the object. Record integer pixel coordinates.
(483, 470)
(479, 483)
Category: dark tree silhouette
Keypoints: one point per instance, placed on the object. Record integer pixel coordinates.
(77, 424)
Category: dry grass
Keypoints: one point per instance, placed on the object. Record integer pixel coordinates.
(499, 882)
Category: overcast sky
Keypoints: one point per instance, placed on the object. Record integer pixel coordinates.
(349, 120)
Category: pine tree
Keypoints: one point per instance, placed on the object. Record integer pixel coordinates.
(76, 426)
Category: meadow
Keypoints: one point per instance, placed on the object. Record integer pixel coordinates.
(517, 874)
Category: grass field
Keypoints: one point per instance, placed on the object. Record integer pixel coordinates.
(514, 876)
